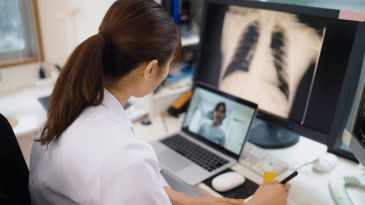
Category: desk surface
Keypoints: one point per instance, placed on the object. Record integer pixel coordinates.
(309, 187)
(25, 107)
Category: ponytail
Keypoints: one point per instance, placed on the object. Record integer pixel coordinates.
(132, 32)
(79, 86)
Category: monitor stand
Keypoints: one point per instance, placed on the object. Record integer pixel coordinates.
(266, 135)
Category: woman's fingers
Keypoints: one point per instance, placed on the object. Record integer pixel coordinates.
(234, 201)
(287, 186)
(272, 182)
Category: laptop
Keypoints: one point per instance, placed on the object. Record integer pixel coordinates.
(214, 132)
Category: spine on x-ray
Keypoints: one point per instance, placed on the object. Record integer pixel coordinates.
(277, 47)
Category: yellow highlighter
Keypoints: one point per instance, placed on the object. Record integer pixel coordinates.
(269, 177)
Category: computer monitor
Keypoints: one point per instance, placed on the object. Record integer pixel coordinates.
(297, 63)
(354, 131)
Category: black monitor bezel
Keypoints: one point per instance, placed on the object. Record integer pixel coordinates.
(228, 96)
(355, 62)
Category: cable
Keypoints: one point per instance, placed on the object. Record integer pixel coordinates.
(308, 163)
(300, 165)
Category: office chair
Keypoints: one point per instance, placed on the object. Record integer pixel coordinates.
(14, 173)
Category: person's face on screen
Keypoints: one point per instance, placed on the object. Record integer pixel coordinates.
(219, 114)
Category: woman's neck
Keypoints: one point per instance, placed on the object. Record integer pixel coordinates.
(216, 124)
(121, 93)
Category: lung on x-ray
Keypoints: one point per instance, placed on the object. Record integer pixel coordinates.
(266, 54)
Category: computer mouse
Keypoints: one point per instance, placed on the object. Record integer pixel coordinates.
(325, 163)
(227, 181)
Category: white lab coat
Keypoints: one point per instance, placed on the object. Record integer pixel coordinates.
(99, 159)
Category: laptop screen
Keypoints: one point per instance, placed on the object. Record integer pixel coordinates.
(219, 119)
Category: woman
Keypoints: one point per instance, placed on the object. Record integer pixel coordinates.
(88, 151)
(213, 131)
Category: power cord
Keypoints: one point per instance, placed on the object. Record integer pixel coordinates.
(301, 165)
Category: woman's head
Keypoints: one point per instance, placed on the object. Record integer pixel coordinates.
(135, 37)
(141, 35)
(219, 112)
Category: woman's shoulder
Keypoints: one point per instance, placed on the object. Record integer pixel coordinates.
(206, 124)
(94, 128)
(93, 115)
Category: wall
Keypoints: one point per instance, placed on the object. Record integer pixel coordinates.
(54, 46)
(59, 36)
(18, 77)
(88, 16)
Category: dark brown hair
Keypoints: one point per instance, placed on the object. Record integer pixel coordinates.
(133, 32)
(220, 104)
(210, 114)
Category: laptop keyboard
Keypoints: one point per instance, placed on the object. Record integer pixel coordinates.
(195, 153)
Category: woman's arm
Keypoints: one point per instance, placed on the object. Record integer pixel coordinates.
(272, 193)
(176, 198)
(179, 198)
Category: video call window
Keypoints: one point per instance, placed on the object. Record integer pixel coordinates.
(218, 119)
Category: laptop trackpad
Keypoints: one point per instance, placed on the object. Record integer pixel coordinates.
(172, 160)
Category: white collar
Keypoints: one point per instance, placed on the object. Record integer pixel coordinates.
(113, 104)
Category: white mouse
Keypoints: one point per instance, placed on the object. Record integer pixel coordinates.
(325, 163)
(227, 181)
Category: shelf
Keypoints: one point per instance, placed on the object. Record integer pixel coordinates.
(164, 92)
(190, 40)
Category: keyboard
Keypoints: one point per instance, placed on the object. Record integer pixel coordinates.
(194, 152)
(254, 158)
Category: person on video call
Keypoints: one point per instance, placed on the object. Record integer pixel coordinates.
(213, 130)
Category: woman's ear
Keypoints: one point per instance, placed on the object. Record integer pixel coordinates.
(148, 70)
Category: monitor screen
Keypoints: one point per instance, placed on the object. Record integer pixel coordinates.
(218, 119)
(290, 60)
(266, 54)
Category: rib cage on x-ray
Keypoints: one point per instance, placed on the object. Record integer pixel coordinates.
(265, 55)
(244, 52)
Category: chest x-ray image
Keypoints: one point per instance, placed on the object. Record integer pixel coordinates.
(266, 54)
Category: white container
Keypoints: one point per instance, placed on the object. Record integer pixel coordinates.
(270, 167)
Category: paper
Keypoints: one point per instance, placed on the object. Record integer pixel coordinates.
(346, 137)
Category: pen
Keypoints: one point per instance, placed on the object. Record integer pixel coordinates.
(294, 174)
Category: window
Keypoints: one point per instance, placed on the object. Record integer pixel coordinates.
(19, 33)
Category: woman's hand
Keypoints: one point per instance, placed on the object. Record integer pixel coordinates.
(272, 193)
(209, 200)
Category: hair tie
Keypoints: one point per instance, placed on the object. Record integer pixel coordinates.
(106, 37)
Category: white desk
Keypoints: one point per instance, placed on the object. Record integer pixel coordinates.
(25, 107)
(309, 187)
